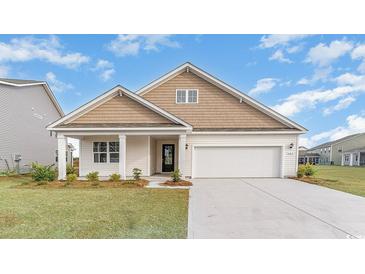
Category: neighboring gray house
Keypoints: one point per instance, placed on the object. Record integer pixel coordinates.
(354, 157)
(26, 108)
(331, 152)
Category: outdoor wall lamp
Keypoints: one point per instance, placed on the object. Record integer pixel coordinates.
(291, 145)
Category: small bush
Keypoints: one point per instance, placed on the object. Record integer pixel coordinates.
(176, 176)
(93, 177)
(70, 169)
(309, 170)
(137, 174)
(300, 172)
(70, 178)
(43, 173)
(115, 177)
(306, 170)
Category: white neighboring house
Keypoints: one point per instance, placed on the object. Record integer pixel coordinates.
(26, 108)
(355, 157)
(186, 120)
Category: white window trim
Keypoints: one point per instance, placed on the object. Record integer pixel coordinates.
(107, 152)
(187, 96)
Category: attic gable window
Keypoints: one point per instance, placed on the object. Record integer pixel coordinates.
(186, 96)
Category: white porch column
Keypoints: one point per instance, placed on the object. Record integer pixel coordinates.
(182, 144)
(351, 159)
(62, 143)
(358, 158)
(122, 156)
(343, 159)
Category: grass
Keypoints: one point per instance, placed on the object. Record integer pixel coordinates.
(343, 178)
(91, 212)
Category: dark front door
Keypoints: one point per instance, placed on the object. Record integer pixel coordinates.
(168, 158)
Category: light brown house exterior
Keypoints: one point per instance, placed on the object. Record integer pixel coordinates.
(186, 120)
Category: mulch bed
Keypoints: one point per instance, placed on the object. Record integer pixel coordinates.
(312, 180)
(180, 183)
(86, 184)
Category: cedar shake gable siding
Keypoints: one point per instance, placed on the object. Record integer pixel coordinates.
(121, 109)
(215, 108)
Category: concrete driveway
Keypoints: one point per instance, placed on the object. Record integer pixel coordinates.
(272, 208)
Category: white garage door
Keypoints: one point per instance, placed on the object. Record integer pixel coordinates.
(225, 162)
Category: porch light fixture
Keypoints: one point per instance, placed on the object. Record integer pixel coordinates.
(291, 145)
(186, 146)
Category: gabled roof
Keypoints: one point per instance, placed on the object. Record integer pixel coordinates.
(27, 83)
(327, 144)
(220, 84)
(110, 94)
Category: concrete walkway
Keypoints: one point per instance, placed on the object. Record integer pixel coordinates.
(272, 208)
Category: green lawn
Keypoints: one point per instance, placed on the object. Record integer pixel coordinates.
(343, 178)
(91, 213)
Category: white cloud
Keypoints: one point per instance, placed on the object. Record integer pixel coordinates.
(354, 124)
(274, 40)
(279, 56)
(4, 71)
(105, 69)
(306, 142)
(320, 74)
(350, 79)
(294, 49)
(131, 44)
(359, 53)
(107, 74)
(324, 55)
(342, 104)
(57, 85)
(298, 102)
(46, 49)
(263, 86)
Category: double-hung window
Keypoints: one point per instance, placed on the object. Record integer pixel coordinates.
(114, 152)
(100, 150)
(106, 152)
(186, 96)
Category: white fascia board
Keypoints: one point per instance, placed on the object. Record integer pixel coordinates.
(46, 87)
(225, 87)
(21, 85)
(53, 99)
(127, 93)
(115, 129)
(156, 108)
(84, 107)
(246, 132)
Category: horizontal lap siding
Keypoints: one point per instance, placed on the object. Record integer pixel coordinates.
(25, 113)
(121, 109)
(290, 156)
(215, 109)
(137, 151)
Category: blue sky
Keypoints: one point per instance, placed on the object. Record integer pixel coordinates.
(318, 81)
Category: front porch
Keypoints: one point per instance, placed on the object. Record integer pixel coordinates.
(354, 157)
(108, 153)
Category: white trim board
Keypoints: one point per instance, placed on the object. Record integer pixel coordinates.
(213, 80)
(121, 91)
(47, 89)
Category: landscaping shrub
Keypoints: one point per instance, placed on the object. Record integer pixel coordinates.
(70, 178)
(300, 172)
(41, 173)
(176, 176)
(115, 177)
(70, 169)
(93, 177)
(306, 170)
(309, 170)
(137, 173)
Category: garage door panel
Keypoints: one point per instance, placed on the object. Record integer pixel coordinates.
(225, 162)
